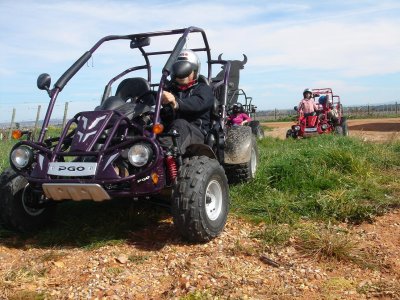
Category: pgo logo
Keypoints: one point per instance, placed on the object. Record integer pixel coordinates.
(71, 168)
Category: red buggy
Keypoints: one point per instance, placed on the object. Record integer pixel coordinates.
(327, 119)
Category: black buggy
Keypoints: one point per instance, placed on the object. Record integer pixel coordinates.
(113, 151)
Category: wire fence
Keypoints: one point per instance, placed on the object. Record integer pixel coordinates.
(361, 111)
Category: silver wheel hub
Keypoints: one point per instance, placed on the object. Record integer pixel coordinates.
(213, 200)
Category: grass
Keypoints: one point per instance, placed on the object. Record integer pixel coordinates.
(324, 179)
(328, 243)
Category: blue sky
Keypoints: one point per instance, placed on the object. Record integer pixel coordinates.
(351, 46)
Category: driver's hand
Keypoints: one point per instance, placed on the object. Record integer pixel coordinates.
(168, 98)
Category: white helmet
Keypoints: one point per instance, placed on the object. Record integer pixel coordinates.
(186, 63)
(307, 91)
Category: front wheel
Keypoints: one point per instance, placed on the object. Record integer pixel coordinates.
(16, 204)
(200, 199)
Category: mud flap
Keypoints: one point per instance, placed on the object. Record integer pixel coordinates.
(238, 145)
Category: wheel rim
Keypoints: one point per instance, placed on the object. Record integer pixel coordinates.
(25, 198)
(213, 200)
(253, 162)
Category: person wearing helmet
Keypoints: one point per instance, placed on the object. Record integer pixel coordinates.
(307, 105)
(190, 100)
(238, 116)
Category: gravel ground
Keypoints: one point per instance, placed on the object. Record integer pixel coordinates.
(156, 264)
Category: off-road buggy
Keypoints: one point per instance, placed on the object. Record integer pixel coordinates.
(327, 119)
(249, 109)
(113, 151)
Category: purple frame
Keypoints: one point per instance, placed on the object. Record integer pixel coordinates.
(83, 141)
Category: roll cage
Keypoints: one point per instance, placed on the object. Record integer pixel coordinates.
(140, 41)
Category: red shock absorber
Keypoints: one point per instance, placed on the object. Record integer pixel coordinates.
(171, 167)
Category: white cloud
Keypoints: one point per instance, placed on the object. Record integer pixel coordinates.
(345, 41)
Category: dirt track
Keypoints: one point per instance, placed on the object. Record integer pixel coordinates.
(367, 129)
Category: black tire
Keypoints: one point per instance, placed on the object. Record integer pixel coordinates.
(260, 133)
(291, 134)
(345, 128)
(256, 129)
(338, 130)
(200, 199)
(14, 213)
(244, 172)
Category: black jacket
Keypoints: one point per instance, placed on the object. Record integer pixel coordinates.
(195, 105)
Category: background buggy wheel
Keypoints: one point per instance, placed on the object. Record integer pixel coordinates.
(200, 199)
(256, 129)
(244, 172)
(15, 211)
(345, 128)
(260, 133)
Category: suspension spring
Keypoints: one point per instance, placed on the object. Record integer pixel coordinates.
(172, 167)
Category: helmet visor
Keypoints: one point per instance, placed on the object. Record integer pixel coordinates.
(181, 69)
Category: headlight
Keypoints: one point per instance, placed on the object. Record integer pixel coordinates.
(21, 157)
(139, 154)
(324, 127)
(297, 128)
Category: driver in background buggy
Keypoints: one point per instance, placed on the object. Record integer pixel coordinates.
(238, 116)
(307, 105)
(331, 111)
(191, 102)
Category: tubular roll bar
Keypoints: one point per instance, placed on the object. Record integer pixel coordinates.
(66, 77)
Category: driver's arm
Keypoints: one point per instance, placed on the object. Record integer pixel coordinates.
(169, 98)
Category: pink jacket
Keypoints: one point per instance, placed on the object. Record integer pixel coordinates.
(237, 119)
(307, 106)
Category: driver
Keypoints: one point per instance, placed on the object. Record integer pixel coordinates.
(307, 106)
(191, 101)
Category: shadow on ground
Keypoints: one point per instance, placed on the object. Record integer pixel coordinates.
(91, 225)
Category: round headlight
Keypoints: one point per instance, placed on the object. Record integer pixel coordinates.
(297, 128)
(139, 155)
(21, 157)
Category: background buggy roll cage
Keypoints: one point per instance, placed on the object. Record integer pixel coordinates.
(137, 41)
(327, 91)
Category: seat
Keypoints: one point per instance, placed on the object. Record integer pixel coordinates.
(132, 88)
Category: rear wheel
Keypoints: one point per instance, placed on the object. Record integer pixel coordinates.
(200, 199)
(345, 128)
(244, 172)
(17, 210)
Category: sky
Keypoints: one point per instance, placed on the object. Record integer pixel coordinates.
(351, 46)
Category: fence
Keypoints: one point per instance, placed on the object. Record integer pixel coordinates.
(364, 111)
(6, 131)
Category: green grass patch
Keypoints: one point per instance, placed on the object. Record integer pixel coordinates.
(329, 178)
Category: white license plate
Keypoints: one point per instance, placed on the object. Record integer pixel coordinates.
(310, 129)
(72, 168)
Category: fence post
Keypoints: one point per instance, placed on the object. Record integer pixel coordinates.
(275, 114)
(11, 124)
(396, 107)
(36, 121)
(65, 115)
